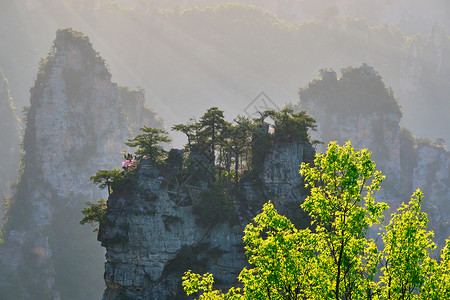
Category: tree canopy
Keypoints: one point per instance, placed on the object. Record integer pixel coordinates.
(106, 178)
(227, 149)
(148, 143)
(94, 213)
(290, 125)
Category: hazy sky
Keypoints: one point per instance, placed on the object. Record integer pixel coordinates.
(187, 66)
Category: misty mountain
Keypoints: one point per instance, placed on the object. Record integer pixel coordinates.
(188, 60)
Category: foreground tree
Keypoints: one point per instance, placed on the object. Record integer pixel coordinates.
(437, 281)
(342, 207)
(408, 244)
(337, 260)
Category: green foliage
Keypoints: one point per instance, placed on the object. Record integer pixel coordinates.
(194, 283)
(209, 145)
(111, 179)
(212, 124)
(436, 284)
(337, 261)
(94, 212)
(408, 244)
(120, 180)
(291, 266)
(236, 148)
(342, 207)
(190, 130)
(214, 206)
(210, 137)
(291, 126)
(220, 152)
(148, 144)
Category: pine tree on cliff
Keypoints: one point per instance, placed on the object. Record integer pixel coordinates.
(212, 124)
(239, 141)
(148, 143)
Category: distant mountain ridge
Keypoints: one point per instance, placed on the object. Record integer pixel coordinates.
(226, 55)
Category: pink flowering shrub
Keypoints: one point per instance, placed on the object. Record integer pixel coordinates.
(129, 164)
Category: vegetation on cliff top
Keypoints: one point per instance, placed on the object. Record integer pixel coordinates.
(228, 150)
(358, 91)
(337, 260)
(217, 154)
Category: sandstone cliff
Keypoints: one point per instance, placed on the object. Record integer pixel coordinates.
(152, 236)
(76, 124)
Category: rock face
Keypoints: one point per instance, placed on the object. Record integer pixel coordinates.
(358, 107)
(432, 175)
(152, 236)
(281, 182)
(423, 59)
(76, 125)
(9, 139)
